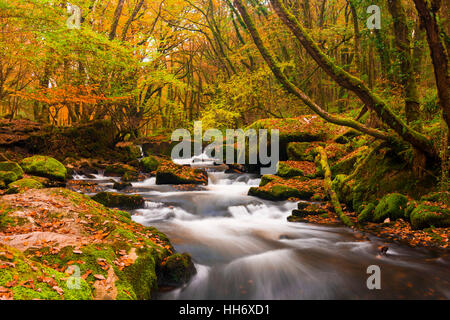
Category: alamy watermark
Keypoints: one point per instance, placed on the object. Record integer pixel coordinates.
(374, 21)
(374, 280)
(234, 149)
(74, 21)
(74, 281)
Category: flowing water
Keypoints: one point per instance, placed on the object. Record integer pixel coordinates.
(244, 248)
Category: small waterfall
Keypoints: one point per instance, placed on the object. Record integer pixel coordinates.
(244, 247)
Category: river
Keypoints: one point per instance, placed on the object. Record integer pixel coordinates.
(244, 248)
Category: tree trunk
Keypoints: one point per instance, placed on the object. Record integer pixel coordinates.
(291, 88)
(439, 56)
(117, 14)
(329, 189)
(354, 84)
(407, 77)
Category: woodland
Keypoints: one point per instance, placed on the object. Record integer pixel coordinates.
(91, 91)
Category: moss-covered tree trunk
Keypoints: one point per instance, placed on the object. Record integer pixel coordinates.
(343, 78)
(329, 189)
(295, 90)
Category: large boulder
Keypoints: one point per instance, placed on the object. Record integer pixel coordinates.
(118, 200)
(428, 214)
(391, 206)
(103, 253)
(381, 173)
(44, 166)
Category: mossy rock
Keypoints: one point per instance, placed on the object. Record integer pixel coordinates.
(279, 192)
(175, 174)
(119, 169)
(177, 270)
(346, 164)
(12, 166)
(121, 185)
(366, 214)
(301, 151)
(308, 210)
(149, 164)
(440, 196)
(286, 171)
(391, 206)
(132, 251)
(142, 276)
(47, 281)
(44, 166)
(118, 200)
(430, 215)
(265, 179)
(383, 172)
(6, 177)
(128, 150)
(410, 208)
(23, 185)
(130, 176)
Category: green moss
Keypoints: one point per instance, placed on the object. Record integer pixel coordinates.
(129, 151)
(177, 269)
(23, 185)
(366, 214)
(279, 192)
(391, 206)
(44, 166)
(430, 214)
(142, 276)
(409, 209)
(174, 174)
(441, 196)
(119, 169)
(130, 176)
(301, 151)
(357, 192)
(286, 171)
(150, 164)
(12, 166)
(5, 219)
(265, 179)
(6, 177)
(44, 280)
(346, 164)
(118, 200)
